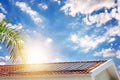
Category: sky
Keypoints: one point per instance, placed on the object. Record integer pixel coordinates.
(65, 30)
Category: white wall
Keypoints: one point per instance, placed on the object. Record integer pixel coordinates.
(103, 76)
(54, 77)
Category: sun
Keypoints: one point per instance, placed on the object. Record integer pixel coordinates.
(36, 56)
(37, 53)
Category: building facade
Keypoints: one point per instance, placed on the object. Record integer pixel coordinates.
(80, 70)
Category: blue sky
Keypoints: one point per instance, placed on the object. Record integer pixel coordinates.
(66, 30)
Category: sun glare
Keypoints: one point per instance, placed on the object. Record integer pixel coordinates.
(37, 52)
(36, 56)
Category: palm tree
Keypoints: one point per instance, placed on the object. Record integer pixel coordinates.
(12, 39)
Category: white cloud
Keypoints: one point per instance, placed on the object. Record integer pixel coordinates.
(73, 7)
(58, 1)
(32, 1)
(48, 40)
(108, 53)
(102, 17)
(74, 24)
(119, 6)
(33, 14)
(111, 40)
(3, 60)
(98, 18)
(15, 26)
(3, 9)
(43, 6)
(2, 16)
(113, 31)
(118, 54)
(105, 53)
(87, 42)
(74, 38)
(91, 42)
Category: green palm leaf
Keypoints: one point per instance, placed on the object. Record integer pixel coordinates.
(11, 37)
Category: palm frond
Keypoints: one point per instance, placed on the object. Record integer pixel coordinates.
(11, 38)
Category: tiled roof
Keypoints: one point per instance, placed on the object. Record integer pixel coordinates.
(79, 67)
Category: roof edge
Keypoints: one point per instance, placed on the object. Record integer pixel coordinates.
(104, 66)
(55, 62)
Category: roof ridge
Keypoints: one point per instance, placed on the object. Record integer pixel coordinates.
(77, 67)
(57, 62)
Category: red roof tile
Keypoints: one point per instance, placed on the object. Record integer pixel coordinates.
(14, 70)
